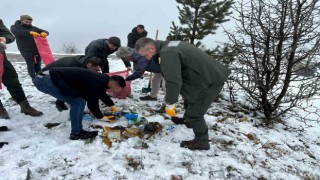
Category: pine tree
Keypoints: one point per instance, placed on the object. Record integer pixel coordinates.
(199, 18)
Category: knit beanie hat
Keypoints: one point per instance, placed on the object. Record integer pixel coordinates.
(25, 17)
(124, 52)
(114, 41)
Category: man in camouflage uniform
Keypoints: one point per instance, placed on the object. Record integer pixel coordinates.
(192, 73)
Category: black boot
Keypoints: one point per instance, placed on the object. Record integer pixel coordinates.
(84, 135)
(3, 143)
(4, 128)
(194, 145)
(3, 112)
(28, 110)
(60, 105)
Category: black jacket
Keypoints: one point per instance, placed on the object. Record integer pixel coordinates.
(25, 41)
(99, 48)
(134, 36)
(78, 82)
(4, 32)
(71, 61)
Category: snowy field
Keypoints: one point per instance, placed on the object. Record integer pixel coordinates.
(240, 148)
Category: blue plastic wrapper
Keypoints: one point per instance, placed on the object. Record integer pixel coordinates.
(131, 118)
(87, 117)
(170, 128)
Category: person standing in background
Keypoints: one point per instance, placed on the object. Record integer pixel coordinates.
(24, 32)
(102, 48)
(136, 33)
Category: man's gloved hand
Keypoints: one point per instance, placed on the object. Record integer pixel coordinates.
(34, 34)
(113, 109)
(171, 110)
(43, 34)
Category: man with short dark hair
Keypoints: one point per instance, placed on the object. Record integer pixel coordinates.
(135, 34)
(24, 32)
(80, 61)
(76, 86)
(195, 75)
(102, 48)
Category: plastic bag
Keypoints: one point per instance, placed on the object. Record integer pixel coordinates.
(44, 49)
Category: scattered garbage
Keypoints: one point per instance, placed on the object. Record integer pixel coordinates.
(140, 145)
(170, 129)
(51, 125)
(131, 118)
(132, 132)
(88, 117)
(143, 130)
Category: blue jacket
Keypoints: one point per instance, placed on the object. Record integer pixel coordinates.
(142, 65)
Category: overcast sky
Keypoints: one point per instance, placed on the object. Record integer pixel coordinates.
(81, 21)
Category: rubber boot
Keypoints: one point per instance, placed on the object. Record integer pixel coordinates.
(28, 110)
(3, 112)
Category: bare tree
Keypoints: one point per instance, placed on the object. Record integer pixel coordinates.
(275, 42)
(70, 48)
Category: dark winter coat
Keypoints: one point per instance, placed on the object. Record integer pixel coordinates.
(142, 64)
(134, 36)
(10, 76)
(71, 61)
(99, 48)
(79, 82)
(25, 41)
(188, 70)
(4, 32)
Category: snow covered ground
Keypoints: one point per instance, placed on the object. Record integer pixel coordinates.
(240, 148)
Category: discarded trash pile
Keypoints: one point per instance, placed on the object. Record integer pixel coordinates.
(142, 129)
(136, 127)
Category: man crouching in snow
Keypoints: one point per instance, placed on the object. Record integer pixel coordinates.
(80, 61)
(76, 86)
(192, 73)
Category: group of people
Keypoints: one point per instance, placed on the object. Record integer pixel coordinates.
(76, 80)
